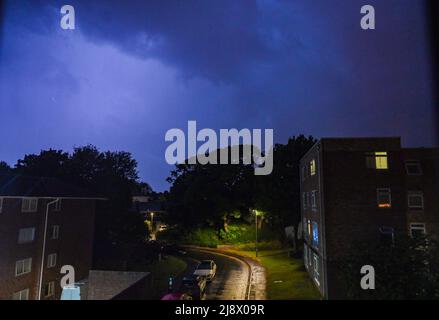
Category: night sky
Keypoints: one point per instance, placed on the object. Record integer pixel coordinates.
(131, 70)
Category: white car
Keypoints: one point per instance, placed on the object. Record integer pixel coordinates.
(207, 269)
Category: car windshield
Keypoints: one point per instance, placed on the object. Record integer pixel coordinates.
(204, 265)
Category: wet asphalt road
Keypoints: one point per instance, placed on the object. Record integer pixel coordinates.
(230, 282)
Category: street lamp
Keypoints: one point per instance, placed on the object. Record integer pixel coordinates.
(256, 212)
(152, 226)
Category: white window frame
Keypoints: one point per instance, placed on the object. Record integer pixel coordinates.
(21, 295)
(411, 162)
(417, 226)
(54, 232)
(415, 194)
(51, 288)
(51, 260)
(26, 235)
(22, 264)
(378, 197)
(30, 201)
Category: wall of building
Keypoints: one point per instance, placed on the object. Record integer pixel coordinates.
(73, 247)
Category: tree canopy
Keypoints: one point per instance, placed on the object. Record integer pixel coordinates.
(213, 194)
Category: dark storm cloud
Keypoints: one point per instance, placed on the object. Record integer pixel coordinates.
(134, 69)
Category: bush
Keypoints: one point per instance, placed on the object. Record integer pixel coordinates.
(236, 234)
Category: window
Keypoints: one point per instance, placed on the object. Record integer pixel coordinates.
(384, 198)
(377, 160)
(49, 289)
(413, 167)
(23, 266)
(29, 205)
(417, 230)
(1, 205)
(315, 234)
(26, 235)
(415, 200)
(51, 260)
(312, 167)
(314, 199)
(21, 295)
(54, 232)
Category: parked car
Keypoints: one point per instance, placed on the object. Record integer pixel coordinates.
(206, 269)
(193, 285)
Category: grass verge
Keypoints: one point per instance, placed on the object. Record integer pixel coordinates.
(287, 278)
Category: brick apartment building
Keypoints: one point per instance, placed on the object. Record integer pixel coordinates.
(360, 189)
(24, 202)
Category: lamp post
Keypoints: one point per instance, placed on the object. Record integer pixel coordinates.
(256, 229)
(152, 226)
(256, 243)
(40, 283)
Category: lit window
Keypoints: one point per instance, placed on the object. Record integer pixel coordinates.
(309, 227)
(23, 266)
(377, 160)
(417, 230)
(29, 205)
(49, 289)
(415, 200)
(413, 167)
(51, 260)
(54, 232)
(384, 198)
(315, 234)
(312, 167)
(26, 235)
(21, 295)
